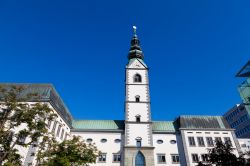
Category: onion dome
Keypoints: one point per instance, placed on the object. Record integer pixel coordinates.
(135, 50)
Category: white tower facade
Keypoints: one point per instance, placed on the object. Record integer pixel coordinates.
(138, 124)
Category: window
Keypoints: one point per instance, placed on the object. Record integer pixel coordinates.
(89, 140)
(161, 158)
(217, 139)
(54, 127)
(116, 157)
(191, 141)
(175, 158)
(138, 118)
(118, 140)
(137, 78)
(159, 141)
(210, 141)
(62, 134)
(204, 157)
(29, 164)
(137, 98)
(243, 145)
(32, 154)
(103, 140)
(58, 130)
(49, 124)
(173, 141)
(200, 141)
(21, 140)
(227, 141)
(195, 158)
(138, 143)
(102, 157)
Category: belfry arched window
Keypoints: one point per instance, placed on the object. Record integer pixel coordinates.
(139, 159)
(137, 78)
(137, 98)
(138, 118)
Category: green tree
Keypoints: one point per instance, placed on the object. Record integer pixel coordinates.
(21, 124)
(73, 152)
(222, 155)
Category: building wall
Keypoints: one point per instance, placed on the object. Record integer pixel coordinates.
(60, 133)
(239, 119)
(244, 144)
(199, 150)
(109, 148)
(167, 148)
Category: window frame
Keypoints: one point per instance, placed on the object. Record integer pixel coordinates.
(137, 78)
(191, 141)
(102, 158)
(161, 158)
(200, 141)
(116, 156)
(194, 157)
(210, 142)
(174, 157)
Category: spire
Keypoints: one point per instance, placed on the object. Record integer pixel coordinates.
(135, 50)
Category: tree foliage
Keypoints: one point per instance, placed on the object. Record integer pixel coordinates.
(73, 152)
(21, 124)
(222, 155)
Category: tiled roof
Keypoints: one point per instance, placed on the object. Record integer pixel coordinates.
(163, 126)
(98, 124)
(202, 122)
(158, 126)
(44, 93)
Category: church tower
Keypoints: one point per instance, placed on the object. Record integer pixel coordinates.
(138, 146)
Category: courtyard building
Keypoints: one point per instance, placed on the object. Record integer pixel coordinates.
(136, 140)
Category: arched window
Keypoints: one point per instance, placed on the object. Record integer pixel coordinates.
(138, 118)
(137, 98)
(139, 159)
(137, 78)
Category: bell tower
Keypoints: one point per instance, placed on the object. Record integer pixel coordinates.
(138, 124)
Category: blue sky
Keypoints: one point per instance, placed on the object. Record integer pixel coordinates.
(193, 48)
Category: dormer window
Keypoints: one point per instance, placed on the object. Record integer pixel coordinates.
(137, 78)
(137, 98)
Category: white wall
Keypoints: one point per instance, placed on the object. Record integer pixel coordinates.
(166, 148)
(203, 149)
(109, 147)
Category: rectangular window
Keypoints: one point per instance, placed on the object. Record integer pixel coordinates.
(116, 157)
(195, 158)
(200, 141)
(191, 141)
(228, 140)
(217, 139)
(161, 158)
(58, 130)
(62, 134)
(54, 127)
(138, 143)
(49, 124)
(210, 141)
(204, 157)
(102, 157)
(21, 140)
(175, 158)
